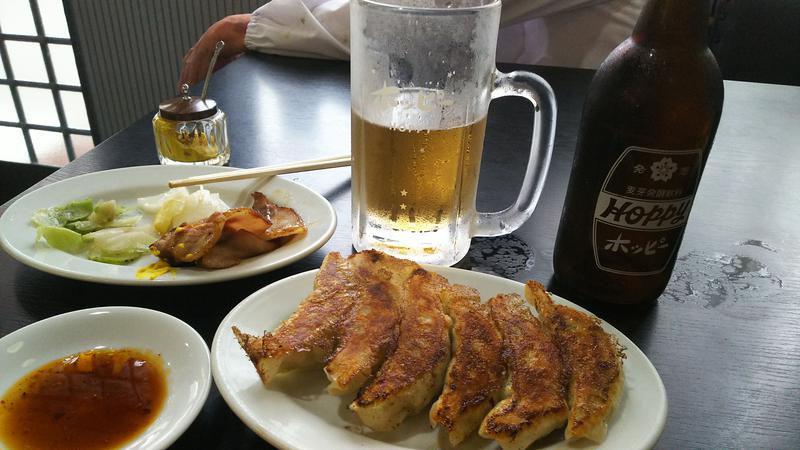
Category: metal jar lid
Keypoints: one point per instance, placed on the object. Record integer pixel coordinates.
(187, 107)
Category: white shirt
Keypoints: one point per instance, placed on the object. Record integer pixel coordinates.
(570, 33)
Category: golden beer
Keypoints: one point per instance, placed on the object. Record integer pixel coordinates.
(421, 79)
(416, 181)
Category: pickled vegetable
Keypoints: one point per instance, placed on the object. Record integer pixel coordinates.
(62, 239)
(119, 245)
(58, 216)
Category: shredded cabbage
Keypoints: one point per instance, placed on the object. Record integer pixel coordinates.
(119, 245)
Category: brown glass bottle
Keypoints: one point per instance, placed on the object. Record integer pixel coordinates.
(648, 123)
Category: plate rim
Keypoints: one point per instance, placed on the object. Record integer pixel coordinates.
(276, 440)
(29, 261)
(184, 422)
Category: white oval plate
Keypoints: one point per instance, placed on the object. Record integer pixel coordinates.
(296, 413)
(185, 356)
(125, 186)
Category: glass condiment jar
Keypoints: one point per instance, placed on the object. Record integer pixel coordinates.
(191, 130)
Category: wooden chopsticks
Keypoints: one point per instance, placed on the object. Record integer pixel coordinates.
(268, 171)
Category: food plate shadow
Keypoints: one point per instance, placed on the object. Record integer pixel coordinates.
(338, 190)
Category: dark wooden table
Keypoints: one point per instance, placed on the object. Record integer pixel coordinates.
(725, 336)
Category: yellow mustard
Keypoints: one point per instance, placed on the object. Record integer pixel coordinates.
(155, 270)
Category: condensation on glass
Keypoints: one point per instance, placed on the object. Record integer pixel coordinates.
(422, 77)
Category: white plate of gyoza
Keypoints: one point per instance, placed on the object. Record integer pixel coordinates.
(376, 352)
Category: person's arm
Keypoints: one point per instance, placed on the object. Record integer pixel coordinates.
(230, 29)
(321, 28)
(308, 28)
(317, 29)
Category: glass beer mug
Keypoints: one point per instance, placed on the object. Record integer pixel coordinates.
(422, 76)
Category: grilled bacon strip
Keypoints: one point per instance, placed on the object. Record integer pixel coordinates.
(284, 221)
(225, 239)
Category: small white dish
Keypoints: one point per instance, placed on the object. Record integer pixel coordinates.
(125, 186)
(184, 353)
(285, 412)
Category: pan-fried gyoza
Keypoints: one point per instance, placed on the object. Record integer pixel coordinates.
(476, 372)
(413, 373)
(385, 330)
(310, 335)
(535, 403)
(593, 360)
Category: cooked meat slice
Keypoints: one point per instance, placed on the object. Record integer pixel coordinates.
(535, 402)
(187, 243)
(593, 361)
(241, 238)
(412, 375)
(261, 204)
(285, 221)
(192, 242)
(246, 219)
(311, 333)
(371, 331)
(235, 246)
(476, 373)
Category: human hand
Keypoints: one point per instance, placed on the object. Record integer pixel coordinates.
(230, 29)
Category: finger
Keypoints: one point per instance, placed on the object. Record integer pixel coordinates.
(195, 66)
(186, 68)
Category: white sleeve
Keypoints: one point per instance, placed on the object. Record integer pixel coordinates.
(308, 28)
(515, 11)
(321, 28)
(577, 37)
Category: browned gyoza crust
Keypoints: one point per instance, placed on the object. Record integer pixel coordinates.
(593, 360)
(535, 401)
(371, 331)
(412, 375)
(476, 372)
(311, 333)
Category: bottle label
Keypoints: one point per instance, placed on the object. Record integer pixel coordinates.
(642, 209)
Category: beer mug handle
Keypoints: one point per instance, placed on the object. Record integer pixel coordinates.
(539, 92)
